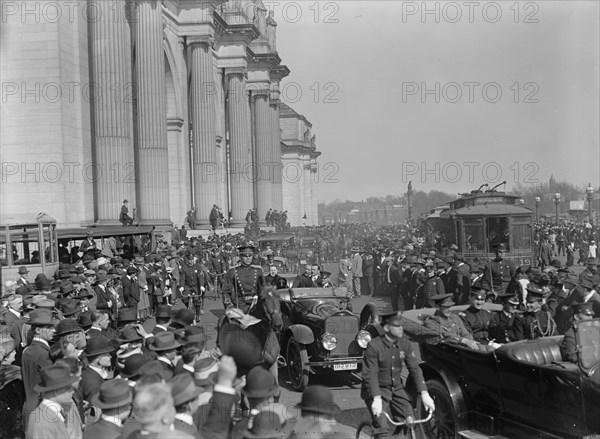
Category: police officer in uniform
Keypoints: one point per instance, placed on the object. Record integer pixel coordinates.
(568, 346)
(446, 325)
(217, 266)
(193, 282)
(242, 282)
(498, 272)
(502, 324)
(475, 317)
(382, 386)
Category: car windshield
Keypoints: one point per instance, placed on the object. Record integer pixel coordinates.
(588, 338)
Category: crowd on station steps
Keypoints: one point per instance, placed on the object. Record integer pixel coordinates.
(76, 362)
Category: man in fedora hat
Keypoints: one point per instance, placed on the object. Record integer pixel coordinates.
(131, 288)
(115, 400)
(163, 317)
(535, 322)
(382, 388)
(23, 280)
(104, 298)
(56, 416)
(185, 395)
(568, 346)
(36, 356)
(70, 330)
(446, 325)
(243, 282)
(98, 353)
(502, 325)
(165, 346)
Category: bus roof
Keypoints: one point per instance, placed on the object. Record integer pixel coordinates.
(101, 231)
(14, 219)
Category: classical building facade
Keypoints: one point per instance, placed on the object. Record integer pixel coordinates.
(300, 169)
(169, 104)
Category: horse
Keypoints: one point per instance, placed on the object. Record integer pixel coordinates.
(257, 344)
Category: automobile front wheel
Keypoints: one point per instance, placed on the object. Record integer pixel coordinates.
(444, 423)
(298, 369)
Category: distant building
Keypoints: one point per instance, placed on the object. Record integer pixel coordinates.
(300, 174)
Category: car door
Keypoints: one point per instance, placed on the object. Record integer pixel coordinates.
(522, 394)
(561, 390)
(480, 380)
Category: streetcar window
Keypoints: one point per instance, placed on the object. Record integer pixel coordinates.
(473, 235)
(521, 236)
(3, 253)
(498, 232)
(25, 245)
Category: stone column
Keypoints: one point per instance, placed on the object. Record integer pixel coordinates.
(314, 220)
(206, 178)
(276, 155)
(153, 168)
(114, 156)
(264, 154)
(238, 116)
(307, 192)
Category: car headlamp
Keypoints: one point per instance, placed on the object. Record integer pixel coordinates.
(363, 338)
(329, 341)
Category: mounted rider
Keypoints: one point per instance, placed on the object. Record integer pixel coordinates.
(242, 283)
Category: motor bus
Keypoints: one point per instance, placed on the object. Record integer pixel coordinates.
(479, 221)
(28, 240)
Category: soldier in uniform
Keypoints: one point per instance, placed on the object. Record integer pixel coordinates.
(447, 326)
(568, 346)
(383, 387)
(498, 272)
(193, 281)
(242, 282)
(502, 324)
(535, 322)
(476, 318)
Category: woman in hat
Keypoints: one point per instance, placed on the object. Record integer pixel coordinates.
(12, 394)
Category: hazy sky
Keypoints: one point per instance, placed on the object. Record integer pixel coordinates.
(468, 93)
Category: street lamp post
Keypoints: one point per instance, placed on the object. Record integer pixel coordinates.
(590, 197)
(557, 202)
(537, 209)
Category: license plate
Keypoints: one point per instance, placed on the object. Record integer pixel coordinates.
(345, 366)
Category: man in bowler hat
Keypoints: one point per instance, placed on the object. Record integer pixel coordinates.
(568, 346)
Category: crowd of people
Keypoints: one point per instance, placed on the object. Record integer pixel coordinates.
(77, 362)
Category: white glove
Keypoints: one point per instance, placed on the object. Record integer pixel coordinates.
(180, 288)
(109, 303)
(377, 406)
(427, 401)
(202, 289)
